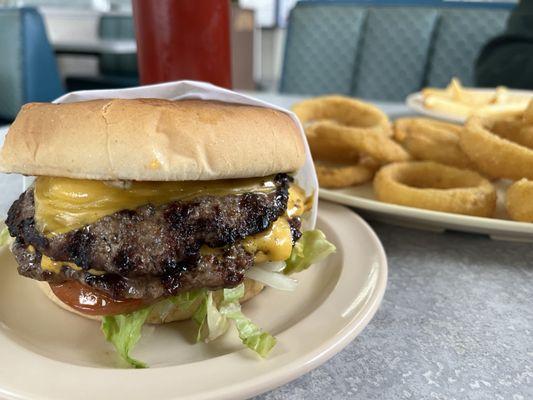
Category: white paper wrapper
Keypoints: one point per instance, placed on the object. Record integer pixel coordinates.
(180, 90)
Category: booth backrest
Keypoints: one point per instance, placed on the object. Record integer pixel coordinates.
(383, 52)
(28, 68)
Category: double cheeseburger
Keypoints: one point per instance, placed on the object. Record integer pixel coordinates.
(143, 210)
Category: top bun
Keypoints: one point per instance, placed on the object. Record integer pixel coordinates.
(151, 140)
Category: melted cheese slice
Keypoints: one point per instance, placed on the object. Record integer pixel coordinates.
(275, 244)
(63, 204)
(55, 266)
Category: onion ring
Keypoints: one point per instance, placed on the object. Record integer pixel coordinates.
(366, 142)
(325, 148)
(344, 111)
(338, 176)
(493, 155)
(515, 130)
(431, 140)
(433, 186)
(519, 201)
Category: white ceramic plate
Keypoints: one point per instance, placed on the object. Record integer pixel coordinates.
(415, 101)
(47, 353)
(500, 228)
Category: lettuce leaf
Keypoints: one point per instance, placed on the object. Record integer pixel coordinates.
(200, 317)
(217, 324)
(184, 301)
(213, 321)
(124, 331)
(233, 294)
(250, 334)
(311, 248)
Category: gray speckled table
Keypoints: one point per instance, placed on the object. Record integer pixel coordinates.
(456, 322)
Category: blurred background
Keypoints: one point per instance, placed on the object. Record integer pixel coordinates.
(379, 50)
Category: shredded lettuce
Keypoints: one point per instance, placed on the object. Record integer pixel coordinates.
(233, 294)
(213, 321)
(249, 333)
(184, 301)
(124, 331)
(200, 317)
(217, 324)
(213, 312)
(311, 248)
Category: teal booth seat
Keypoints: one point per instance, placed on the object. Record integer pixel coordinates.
(384, 51)
(115, 70)
(28, 68)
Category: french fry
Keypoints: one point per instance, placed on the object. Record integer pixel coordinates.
(500, 110)
(456, 90)
(461, 102)
(447, 106)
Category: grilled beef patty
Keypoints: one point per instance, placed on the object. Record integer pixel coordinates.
(153, 251)
(212, 271)
(152, 239)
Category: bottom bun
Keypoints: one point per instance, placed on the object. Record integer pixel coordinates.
(160, 314)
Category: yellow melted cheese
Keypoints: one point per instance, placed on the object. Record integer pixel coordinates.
(64, 204)
(274, 244)
(54, 266)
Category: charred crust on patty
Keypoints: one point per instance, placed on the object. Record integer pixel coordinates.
(141, 241)
(211, 271)
(153, 251)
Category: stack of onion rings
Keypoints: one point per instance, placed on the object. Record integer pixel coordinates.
(493, 155)
(433, 186)
(431, 140)
(519, 201)
(344, 111)
(349, 139)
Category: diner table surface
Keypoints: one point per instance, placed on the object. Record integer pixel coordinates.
(456, 321)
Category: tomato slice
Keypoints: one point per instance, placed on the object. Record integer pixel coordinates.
(92, 301)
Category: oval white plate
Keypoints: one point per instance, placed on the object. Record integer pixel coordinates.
(500, 228)
(415, 102)
(47, 353)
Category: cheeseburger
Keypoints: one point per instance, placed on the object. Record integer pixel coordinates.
(150, 210)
